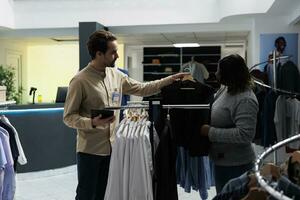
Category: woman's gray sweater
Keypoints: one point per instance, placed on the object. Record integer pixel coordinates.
(233, 125)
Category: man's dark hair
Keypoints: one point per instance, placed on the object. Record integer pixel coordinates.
(234, 73)
(278, 39)
(98, 42)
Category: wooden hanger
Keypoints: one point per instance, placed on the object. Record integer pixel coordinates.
(295, 157)
(188, 77)
(270, 169)
(255, 193)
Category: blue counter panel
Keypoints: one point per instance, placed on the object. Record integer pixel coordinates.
(47, 142)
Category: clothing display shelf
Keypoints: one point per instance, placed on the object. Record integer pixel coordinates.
(276, 194)
(159, 62)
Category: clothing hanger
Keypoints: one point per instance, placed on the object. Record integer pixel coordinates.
(270, 169)
(294, 167)
(256, 193)
(188, 77)
(295, 157)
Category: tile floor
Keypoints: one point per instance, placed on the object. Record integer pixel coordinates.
(60, 184)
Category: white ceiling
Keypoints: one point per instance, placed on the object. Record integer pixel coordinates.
(153, 35)
(170, 38)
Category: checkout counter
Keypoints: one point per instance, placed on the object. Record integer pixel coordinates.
(47, 142)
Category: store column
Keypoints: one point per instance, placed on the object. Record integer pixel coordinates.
(85, 30)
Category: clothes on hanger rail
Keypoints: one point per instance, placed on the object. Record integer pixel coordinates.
(187, 123)
(287, 119)
(130, 170)
(7, 180)
(22, 160)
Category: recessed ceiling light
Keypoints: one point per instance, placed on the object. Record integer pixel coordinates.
(186, 45)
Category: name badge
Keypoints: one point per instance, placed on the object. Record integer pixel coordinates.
(116, 97)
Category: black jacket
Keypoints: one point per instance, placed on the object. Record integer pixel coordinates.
(186, 123)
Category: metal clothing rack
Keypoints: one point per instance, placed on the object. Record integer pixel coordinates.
(274, 88)
(277, 89)
(258, 163)
(149, 105)
(278, 58)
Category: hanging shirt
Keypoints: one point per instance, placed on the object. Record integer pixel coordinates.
(3, 163)
(288, 77)
(114, 189)
(21, 158)
(165, 162)
(287, 119)
(129, 173)
(186, 123)
(9, 180)
(12, 141)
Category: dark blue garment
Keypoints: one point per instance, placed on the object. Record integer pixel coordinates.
(269, 133)
(223, 174)
(289, 189)
(193, 172)
(288, 77)
(165, 164)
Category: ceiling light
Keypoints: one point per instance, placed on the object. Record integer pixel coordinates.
(186, 45)
(65, 39)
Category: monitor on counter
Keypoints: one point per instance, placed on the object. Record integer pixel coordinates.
(61, 94)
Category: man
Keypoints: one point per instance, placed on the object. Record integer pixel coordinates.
(97, 86)
(280, 45)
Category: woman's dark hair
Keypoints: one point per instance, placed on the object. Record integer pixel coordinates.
(98, 42)
(233, 72)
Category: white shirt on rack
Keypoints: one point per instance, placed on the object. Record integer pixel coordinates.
(287, 119)
(22, 160)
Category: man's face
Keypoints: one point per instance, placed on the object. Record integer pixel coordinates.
(280, 46)
(111, 55)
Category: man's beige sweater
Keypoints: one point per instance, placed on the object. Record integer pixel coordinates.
(91, 89)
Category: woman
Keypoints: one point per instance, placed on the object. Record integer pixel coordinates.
(233, 121)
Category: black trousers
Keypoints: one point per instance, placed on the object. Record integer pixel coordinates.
(92, 176)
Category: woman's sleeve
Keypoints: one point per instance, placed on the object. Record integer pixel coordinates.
(244, 116)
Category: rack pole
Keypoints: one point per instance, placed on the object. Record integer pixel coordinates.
(261, 181)
(274, 69)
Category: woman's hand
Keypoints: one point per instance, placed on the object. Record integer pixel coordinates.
(204, 130)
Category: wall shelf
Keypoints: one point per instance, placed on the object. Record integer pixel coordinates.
(172, 57)
(162, 64)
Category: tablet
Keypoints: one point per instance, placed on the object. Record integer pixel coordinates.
(104, 113)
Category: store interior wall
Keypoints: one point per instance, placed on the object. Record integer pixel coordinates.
(277, 25)
(19, 48)
(47, 66)
(50, 66)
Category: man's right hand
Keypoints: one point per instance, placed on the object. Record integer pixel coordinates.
(98, 121)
